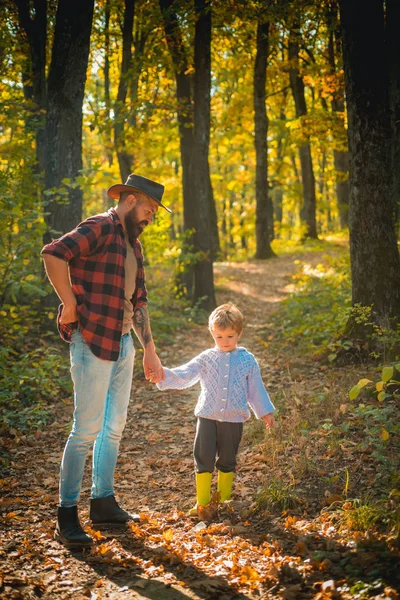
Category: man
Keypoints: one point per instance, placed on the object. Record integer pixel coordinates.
(97, 271)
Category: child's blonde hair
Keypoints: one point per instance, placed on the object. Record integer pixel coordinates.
(224, 316)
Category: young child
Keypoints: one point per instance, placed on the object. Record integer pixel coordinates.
(230, 381)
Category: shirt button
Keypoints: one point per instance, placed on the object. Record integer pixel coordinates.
(225, 389)
(225, 376)
(227, 365)
(223, 399)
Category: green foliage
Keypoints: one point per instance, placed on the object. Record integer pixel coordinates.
(317, 309)
(20, 240)
(377, 418)
(368, 513)
(30, 381)
(277, 495)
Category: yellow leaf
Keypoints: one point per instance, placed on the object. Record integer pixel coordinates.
(168, 535)
(379, 386)
(384, 435)
(387, 373)
(363, 382)
(248, 574)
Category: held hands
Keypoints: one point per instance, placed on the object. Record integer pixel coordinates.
(153, 370)
(269, 420)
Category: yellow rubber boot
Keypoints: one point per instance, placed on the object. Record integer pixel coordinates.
(203, 488)
(203, 491)
(225, 481)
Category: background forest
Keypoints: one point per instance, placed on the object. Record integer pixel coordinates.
(274, 126)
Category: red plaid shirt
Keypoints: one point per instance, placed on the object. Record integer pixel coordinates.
(96, 252)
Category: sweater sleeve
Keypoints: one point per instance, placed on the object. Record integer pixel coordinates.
(182, 377)
(258, 397)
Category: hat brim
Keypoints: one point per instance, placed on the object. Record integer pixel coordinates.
(115, 190)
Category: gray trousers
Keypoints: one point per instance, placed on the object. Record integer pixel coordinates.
(216, 440)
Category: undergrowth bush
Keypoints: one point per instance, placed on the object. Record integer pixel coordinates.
(318, 307)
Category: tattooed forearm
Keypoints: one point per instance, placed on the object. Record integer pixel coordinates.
(141, 325)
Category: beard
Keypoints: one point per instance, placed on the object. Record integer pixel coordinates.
(133, 226)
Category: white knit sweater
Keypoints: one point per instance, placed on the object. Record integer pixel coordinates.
(230, 383)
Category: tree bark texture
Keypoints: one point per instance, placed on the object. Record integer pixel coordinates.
(203, 278)
(184, 100)
(393, 61)
(263, 212)
(185, 121)
(125, 158)
(340, 157)
(66, 86)
(107, 96)
(308, 212)
(375, 263)
(34, 76)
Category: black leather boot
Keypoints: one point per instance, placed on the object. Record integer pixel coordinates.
(69, 530)
(108, 512)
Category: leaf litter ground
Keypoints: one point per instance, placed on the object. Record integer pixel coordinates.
(289, 551)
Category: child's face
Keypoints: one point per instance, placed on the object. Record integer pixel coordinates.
(225, 339)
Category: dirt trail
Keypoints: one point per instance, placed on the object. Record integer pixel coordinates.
(165, 557)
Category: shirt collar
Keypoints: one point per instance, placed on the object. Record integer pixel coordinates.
(114, 216)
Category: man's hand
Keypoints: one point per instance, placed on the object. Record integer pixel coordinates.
(68, 314)
(269, 420)
(153, 370)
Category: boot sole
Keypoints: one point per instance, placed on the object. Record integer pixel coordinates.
(111, 525)
(76, 545)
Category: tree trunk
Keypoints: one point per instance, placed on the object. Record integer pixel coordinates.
(215, 244)
(34, 76)
(185, 121)
(125, 158)
(393, 53)
(203, 279)
(107, 96)
(277, 183)
(308, 213)
(263, 213)
(66, 86)
(375, 263)
(340, 157)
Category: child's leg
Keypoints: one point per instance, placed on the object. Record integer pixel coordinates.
(228, 440)
(204, 452)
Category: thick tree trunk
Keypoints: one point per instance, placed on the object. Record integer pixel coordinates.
(185, 107)
(185, 121)
(340, 157)
(393, 53)
(66, 86)
(203, 280)
(263, 212)
(34, 76)
(375, 263)
(308, 212)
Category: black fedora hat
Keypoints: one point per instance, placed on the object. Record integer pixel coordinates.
(137, 183)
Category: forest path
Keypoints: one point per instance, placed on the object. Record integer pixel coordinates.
(242, 554)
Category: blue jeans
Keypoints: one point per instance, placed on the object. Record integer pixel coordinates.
(101, 397)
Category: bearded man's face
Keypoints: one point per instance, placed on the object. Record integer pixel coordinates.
(135, 223)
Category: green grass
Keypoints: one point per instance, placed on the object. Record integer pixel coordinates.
(277, 495)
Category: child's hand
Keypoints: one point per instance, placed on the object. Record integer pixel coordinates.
(269, 420)
(151, 379)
